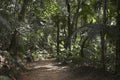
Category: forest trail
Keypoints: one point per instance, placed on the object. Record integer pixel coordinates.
(47, 70)
(51, 70)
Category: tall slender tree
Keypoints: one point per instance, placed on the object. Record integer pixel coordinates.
(103, 51)
(58, 35)
(68, 40)
(117, 70)
(75, 17)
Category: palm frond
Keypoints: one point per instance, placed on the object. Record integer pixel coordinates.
(93, 30)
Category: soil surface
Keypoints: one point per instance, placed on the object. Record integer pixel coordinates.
(51, 70)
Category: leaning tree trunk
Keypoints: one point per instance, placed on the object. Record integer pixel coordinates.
(21, 17)
(117, 68)
(13, 48)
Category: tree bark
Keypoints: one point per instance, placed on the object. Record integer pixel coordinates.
(13, 47)
(68, 41)
(75, 18)
(102, 50)
(82, 47)
(21, 15)
(117, 67)
(102, 33)
(58, 41)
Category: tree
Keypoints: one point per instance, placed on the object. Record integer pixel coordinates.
(103, 44)
(68, 40)
(118, 39)
(56, 19)
(15, 37)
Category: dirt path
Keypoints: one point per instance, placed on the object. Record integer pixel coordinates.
(47, 70)
(51, 70)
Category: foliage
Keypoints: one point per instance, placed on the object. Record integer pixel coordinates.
(47, 26)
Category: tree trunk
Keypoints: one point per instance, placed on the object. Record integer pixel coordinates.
(58, 41)
(117, 67)
(82, 47)
(103, 45)
(13, 44)
(13, 48)
(102, 50)
(68, 41)
(75, 18)
(21, 15)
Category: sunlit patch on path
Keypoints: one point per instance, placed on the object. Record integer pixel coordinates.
(51, 70)
(50, 67)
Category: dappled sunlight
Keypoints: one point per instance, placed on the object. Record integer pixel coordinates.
(60, 39)
(50, 66)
